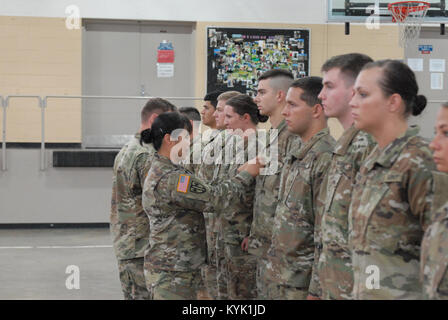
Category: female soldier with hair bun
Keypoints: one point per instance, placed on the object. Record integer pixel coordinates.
(174, 199)
(239, 267)
(435, 243)
(391, 206)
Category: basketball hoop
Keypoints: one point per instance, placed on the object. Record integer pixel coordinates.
(409, 15)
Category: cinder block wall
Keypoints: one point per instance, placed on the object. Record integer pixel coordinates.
(40, 56)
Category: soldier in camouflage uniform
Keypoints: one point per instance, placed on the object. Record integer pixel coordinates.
(128, 222)
(213, 150)
(332, 276)
(291, 254)
(241, 114)
(174, 200)
(434, 256)
(391, 205)
(271, 99)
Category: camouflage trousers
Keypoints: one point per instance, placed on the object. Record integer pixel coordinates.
(284, 292)
(221, 270)
(173, 285)
(335, 274)
(132, 279)
(209, 272)
(264, 285)
(241, 273)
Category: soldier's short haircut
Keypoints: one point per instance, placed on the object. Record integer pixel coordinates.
(213, 97)
(445, 105)
(191, 113)
(228, 95)
(350, 64)
(156, 105)
(311, 87)
(280, 79)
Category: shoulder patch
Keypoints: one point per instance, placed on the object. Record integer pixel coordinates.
(182, 184)
(196, 187)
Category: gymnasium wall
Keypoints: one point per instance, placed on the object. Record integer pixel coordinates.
(40, 56)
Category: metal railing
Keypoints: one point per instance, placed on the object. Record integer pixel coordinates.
(43, 101)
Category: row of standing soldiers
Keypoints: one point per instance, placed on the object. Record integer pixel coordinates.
(335, 220)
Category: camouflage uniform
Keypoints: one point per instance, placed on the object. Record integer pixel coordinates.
(266, 194)
(220, 171)
(174, 199)
(233, 227)
(390, 209)
(205, 172)
(332, 276)
(291, 255)
(129, 224)
(434, 256)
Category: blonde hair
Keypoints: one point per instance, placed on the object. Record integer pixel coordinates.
(228, 95)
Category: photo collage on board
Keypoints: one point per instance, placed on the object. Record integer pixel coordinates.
(236, 57)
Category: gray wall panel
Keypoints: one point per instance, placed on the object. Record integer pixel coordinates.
(57, 195)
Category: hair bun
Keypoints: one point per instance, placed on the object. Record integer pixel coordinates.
(146, 136)
(262, 118)
(419, 105)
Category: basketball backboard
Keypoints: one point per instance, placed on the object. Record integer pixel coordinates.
(359, 10)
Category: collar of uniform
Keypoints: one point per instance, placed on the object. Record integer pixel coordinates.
(214, 134)
(389, 155)
(163, 159)
(440, 187)
(301, 152)
(345, 140)
(280, 127)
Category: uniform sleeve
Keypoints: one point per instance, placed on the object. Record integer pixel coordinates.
(319, 182)
(189, 192)
(420, 190)
(142, 166)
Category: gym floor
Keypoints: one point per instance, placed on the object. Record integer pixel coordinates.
(33, 264)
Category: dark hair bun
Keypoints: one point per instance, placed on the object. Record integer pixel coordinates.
(146, 136)
(419, 105)
(262, 118)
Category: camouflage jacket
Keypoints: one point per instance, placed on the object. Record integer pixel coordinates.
(202, 150)
(174, 200)
(234, 223)
(291, 254)
(128, 222)
(332, 272)
(434, 255)
(266, 191)
(205, 171)
(390, 209)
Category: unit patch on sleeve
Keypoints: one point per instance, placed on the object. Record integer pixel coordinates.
(196, 187)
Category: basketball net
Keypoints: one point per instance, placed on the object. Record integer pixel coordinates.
(409, 15)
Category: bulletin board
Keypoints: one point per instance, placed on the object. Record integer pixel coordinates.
(236, 57)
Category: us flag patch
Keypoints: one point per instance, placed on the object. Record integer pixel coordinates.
(182, 184)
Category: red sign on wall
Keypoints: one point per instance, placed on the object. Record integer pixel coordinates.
(165, 56)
